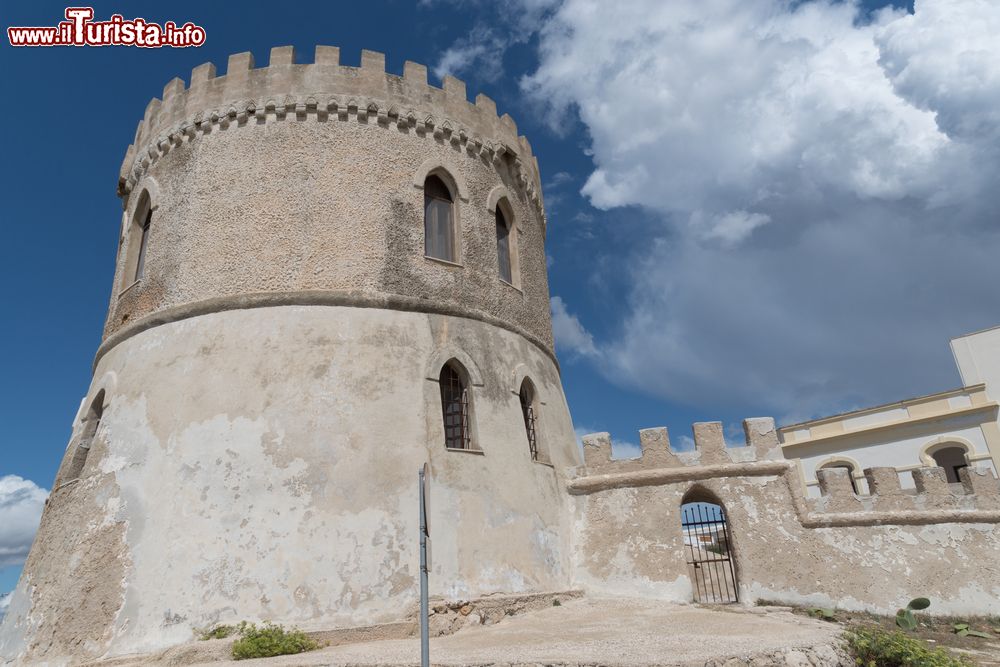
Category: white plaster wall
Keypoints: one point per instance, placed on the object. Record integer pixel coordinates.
(978, 359)
(893, 448)
(263, 466)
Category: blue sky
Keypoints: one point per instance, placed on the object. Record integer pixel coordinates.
(756, 208)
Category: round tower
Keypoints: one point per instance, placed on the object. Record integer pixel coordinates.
(327, 275)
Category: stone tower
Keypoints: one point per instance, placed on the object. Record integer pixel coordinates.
(326, 276)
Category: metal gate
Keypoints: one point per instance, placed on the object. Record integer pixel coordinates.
(709, 551)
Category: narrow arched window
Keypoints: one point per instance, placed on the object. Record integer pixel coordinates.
(90, 424)
(503, 247)
(952, 459)
(137, 241)
(455, 408)
(140, 263)
(846, 466)
(439, 220)
(530, 415)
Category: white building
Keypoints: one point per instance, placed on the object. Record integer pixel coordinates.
(951, 429)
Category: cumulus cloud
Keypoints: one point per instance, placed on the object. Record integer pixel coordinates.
(945, 59)
(21, 504)
(481, 50)
(827, 185)
(479, 54)
(570, 335)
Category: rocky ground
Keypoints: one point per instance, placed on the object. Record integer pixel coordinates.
(576, 631)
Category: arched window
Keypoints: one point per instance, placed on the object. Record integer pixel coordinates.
(846, 466)
(90, 423)
(439, 220)
(952, 459)
(455, 407)
(527, 395)
(137, 240)
(503, 247)
(140, 263)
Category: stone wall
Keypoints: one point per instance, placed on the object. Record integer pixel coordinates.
(262, 464)
(295, 184)
(872, 552)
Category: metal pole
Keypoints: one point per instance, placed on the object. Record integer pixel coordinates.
(425, 659)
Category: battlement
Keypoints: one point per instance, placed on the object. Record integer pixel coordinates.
(761, 444)
(979, 489)
(934, 500)
(327, 90)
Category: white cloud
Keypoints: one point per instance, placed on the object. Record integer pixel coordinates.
(624, 449)
(481, 50)
(728, 228)
(558, 179)
(570, 335)
(21, 505)
(945, 59)
(827, 185)
(480, 53)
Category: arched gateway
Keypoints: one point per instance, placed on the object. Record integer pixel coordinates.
(709, 549)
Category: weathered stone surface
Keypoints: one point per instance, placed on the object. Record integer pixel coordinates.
(270, 383)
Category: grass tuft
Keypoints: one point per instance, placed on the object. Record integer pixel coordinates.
(875, 647)
(218, 632)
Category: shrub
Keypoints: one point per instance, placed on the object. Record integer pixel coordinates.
(218, 632)
(874, 647)
(269, 640)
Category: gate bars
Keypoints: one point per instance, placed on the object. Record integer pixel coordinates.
(706, 533)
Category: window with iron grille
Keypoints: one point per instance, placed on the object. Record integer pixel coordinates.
(140, 263)
(528, 411)
(439, 220)
(503, 247)
(455, 409)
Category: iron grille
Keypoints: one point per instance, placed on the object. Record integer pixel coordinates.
(710, 557)
(528, 410)
(455, 406)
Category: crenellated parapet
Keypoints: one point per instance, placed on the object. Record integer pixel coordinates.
(978, 489)
(760, 438)
(328, 91)
(975, 500)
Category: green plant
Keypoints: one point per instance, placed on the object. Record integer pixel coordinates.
(556, 603)
(875, 647)
(218, 632)
(963, 630)
(824, 613)
(905, 618)
(268, 641)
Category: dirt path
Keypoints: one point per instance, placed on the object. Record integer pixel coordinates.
(612, 632)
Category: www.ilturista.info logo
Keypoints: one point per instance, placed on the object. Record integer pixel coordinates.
(80, 30)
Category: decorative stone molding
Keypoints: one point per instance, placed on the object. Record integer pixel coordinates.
(327, 91)
(443, 355)
(496, 194)
(435, 165)
(309, 298)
